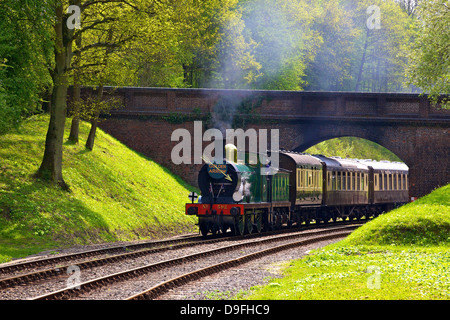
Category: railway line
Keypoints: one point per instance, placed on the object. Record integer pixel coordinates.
(148, 270)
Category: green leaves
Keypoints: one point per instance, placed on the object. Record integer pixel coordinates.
(25, 55)
(429, 61)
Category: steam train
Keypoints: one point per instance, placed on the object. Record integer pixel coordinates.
(243, 197)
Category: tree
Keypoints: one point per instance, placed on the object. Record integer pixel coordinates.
(25, 56)
(51, 166)
(409, 6)
(206, 47)
(236, 64)
(330, 68)
(91, 57)
(383, 47)
(285, 41)
(95, 15)
(429, 61)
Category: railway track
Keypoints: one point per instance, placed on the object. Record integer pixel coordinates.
(12, 267)
(165, 286)
(168, 266)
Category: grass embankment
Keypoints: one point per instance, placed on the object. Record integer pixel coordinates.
(353, 147)
(403, 254)
(116, 194)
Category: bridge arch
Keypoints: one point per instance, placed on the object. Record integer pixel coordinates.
(300, 137)
(368, 151)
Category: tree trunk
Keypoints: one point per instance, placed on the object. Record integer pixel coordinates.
(94, 122)
(91, 137)
(75, 127)
(51, 166)
(363, 61)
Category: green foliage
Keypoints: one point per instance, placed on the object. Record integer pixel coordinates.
(353, 147)
(284, 39)
(89, 108)
(25, 55)
(429, 61)
(116, 194)
(276, 45)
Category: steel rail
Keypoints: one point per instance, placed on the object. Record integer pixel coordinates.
(86, 254)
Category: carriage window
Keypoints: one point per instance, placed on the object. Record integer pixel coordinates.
(333, 180)
(363, 183)
(329, 180)
(395, 181)
(301, 178)
(318, 178)
(314, 173)
(349, 182)
(304, 178)
(405, 181)
(358, 181)
(338, 180)
(344, 180)
(385, 186)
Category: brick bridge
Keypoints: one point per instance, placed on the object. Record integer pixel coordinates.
(405, 124)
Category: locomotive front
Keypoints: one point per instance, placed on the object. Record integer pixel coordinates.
(223, 187)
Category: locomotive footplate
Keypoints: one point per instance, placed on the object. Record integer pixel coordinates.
(216, 217)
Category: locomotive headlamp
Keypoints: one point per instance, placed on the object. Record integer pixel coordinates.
(192, 210)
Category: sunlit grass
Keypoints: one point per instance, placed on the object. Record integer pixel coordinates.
(116, 194)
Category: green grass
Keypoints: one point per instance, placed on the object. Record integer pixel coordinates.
(116, 194)
(353, 147)
(425, 222)
(403, 254)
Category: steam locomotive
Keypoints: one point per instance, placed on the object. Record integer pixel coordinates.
(242, 196)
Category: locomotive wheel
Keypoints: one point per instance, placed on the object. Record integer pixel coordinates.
(248, 224)
(258, 223)
(239, 226)
(204, 229)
